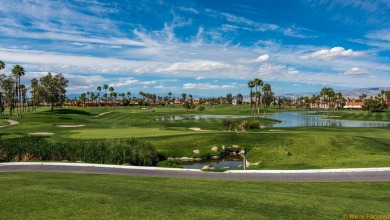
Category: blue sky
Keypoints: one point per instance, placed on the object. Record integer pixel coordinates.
(199, 47)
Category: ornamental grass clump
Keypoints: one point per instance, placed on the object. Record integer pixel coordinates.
(109, 151)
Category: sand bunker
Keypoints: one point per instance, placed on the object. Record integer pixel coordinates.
(101, 114)
(198, 129)
(70, 126)
(41, 133)
(11, 122)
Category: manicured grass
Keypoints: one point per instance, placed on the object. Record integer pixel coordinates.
(127, 133)
(86, 196)
(359, 115)
(3, 123)
(310, 147)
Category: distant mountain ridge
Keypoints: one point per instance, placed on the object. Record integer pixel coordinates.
(349, 93)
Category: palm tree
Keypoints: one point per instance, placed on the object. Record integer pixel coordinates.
(142, 94)
(251, 84)
(2, 66)
(111, 89)
(184, 97)
(129, 97)
(99, 88)
(34, 86)
(18, 71)
(169, 99)
(105, 87)
(258, 83)
(267, 94)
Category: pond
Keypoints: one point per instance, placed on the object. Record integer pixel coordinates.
(290, 119)
(196, 117)
(224, 162)
(299, 119)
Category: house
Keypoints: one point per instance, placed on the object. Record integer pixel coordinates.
(354, 105)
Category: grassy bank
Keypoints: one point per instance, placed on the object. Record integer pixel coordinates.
(82, 196)
(358, 115)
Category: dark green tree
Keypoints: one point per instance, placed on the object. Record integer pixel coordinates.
(52, 89)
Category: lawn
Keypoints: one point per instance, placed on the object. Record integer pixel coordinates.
(87, 196)
(359, 115)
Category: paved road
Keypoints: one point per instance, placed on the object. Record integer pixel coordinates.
(277, 176)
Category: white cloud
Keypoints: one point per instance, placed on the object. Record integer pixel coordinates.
(195, 66)
(267, 69)
(124, 82)
(356, 71)
(189, 10)
(328, 54)
(207, 86)
(259, 59)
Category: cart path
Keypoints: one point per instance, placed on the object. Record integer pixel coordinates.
(327, 175)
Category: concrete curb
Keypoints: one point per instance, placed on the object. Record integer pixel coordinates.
(342, 170)
(95, 165)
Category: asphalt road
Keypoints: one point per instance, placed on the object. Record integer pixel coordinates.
(339, 176)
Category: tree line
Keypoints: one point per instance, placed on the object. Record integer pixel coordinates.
(48, 89)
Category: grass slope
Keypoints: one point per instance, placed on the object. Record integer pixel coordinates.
(85, 196)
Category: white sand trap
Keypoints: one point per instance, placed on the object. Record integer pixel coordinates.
(275, 130)
(11, 122)
(198, 129)
(195, 129)
(70, 126)
(41, 133)
(101, 114)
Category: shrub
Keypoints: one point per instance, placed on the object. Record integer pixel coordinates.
(254, 125)
(228, 124)
(244, 125)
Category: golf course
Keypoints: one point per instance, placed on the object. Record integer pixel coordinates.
(310, 147)
(91, 134)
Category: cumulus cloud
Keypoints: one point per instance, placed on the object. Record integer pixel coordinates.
(259, 59)
(195, 66)
(267, 69)
(207, 86)
(356, 71)
(328, 54)
(124, 82)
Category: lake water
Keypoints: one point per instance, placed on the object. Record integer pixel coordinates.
(196, 117)
(224, 162)
(290, 119)
(299, 119)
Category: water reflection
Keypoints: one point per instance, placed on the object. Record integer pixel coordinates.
(196, 117)
(289, 119)
(225, 162)
(297, 119)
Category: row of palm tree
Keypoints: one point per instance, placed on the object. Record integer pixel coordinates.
(16, 93)
(265, 98)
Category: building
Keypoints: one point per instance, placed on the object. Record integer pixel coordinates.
(354, 105)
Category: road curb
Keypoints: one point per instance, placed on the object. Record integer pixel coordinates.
(341, 170)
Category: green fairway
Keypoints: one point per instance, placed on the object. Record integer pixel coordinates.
(86, 196)
(127, 133)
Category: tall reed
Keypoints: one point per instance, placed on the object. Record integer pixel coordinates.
(107, 151)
